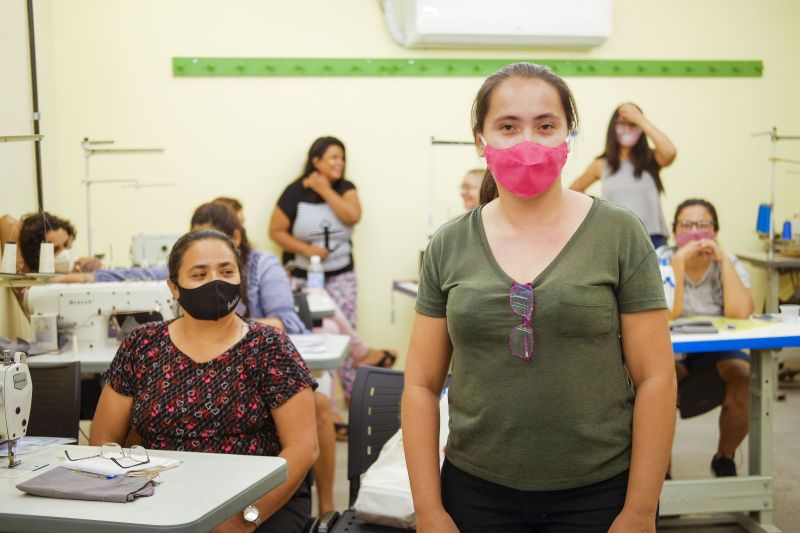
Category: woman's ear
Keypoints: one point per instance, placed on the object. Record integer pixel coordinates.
(314, 162)
(173, 289)
(480, 145)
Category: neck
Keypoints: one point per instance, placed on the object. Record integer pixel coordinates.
(208, 329)
(540, 210)
(624, 153)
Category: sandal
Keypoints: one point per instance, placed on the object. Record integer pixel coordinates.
(342, 431)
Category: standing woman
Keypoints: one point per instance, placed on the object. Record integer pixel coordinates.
(629, 170)
(541, 297)
(315, 215)
(212, 382)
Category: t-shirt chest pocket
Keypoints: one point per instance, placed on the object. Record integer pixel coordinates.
(585, 311)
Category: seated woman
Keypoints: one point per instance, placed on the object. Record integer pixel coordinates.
(162, 368)
(269, 300)
(710, 281)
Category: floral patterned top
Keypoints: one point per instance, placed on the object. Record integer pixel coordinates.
(220, 406)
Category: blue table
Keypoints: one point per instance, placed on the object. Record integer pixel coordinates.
(746, 500)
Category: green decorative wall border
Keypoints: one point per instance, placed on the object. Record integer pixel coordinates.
(344, 67)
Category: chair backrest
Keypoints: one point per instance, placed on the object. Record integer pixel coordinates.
(56, 402)
(302, 309)
(374, 418)
(700, 391)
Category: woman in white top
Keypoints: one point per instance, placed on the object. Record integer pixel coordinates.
(629, 168)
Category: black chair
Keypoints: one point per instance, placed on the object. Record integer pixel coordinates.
(56, 401)
(374, 418)
(302, 309)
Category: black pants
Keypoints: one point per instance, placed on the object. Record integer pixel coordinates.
(477, 505)
(293, 516)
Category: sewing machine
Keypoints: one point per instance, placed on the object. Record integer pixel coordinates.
(91, 314)
(16, 391)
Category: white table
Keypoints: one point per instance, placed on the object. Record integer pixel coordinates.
(204, 491)
(320, 304)
(774, 266)
(746, 500)
(97, 360)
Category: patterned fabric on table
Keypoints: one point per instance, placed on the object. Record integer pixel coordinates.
(221, 406)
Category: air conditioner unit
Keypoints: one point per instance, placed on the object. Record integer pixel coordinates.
(501, 23)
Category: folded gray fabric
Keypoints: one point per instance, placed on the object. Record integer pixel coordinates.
(63, 483)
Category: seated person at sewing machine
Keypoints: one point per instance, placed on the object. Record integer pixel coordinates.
(710, 281)
(32, 230)
(210, 381)
(29, 232)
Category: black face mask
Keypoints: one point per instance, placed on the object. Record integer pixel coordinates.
(212, 301)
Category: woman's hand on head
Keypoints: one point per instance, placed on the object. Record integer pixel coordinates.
(317, 183)
(632, 114)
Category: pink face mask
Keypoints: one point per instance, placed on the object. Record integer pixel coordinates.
(526, 169)
(685, 237)
(629, 138)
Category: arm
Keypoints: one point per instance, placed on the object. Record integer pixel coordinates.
(737, 302)
(589, 176)
(679, 258)
(664, 150)
(278, 231)
(296, 424)
(9, 229)
(275, 298)
(112, 419)
(429, 354)
(648, 356)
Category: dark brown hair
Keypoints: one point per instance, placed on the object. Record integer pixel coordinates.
(34, 232)
(482, 100)
(185, 241)
(642, 156)
(696, 201)
(318, 149)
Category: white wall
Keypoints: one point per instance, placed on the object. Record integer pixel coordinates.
(108, 71)
(17, 168)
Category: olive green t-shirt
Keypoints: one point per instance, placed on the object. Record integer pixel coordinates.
(564, 419)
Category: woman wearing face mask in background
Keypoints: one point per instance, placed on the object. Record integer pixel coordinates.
(506, 301)
(629, 170)
(710, 281)
(210, 353)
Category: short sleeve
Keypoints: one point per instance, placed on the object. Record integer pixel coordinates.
(640, 287)
(739, 266)
(342, 186)
(289, 199)
(121, 372)
(286, 371)
(431, 299)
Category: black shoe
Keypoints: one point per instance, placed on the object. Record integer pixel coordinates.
(723, 467)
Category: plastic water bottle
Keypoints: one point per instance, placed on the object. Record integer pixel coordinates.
(668, 280)
(316, 274)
